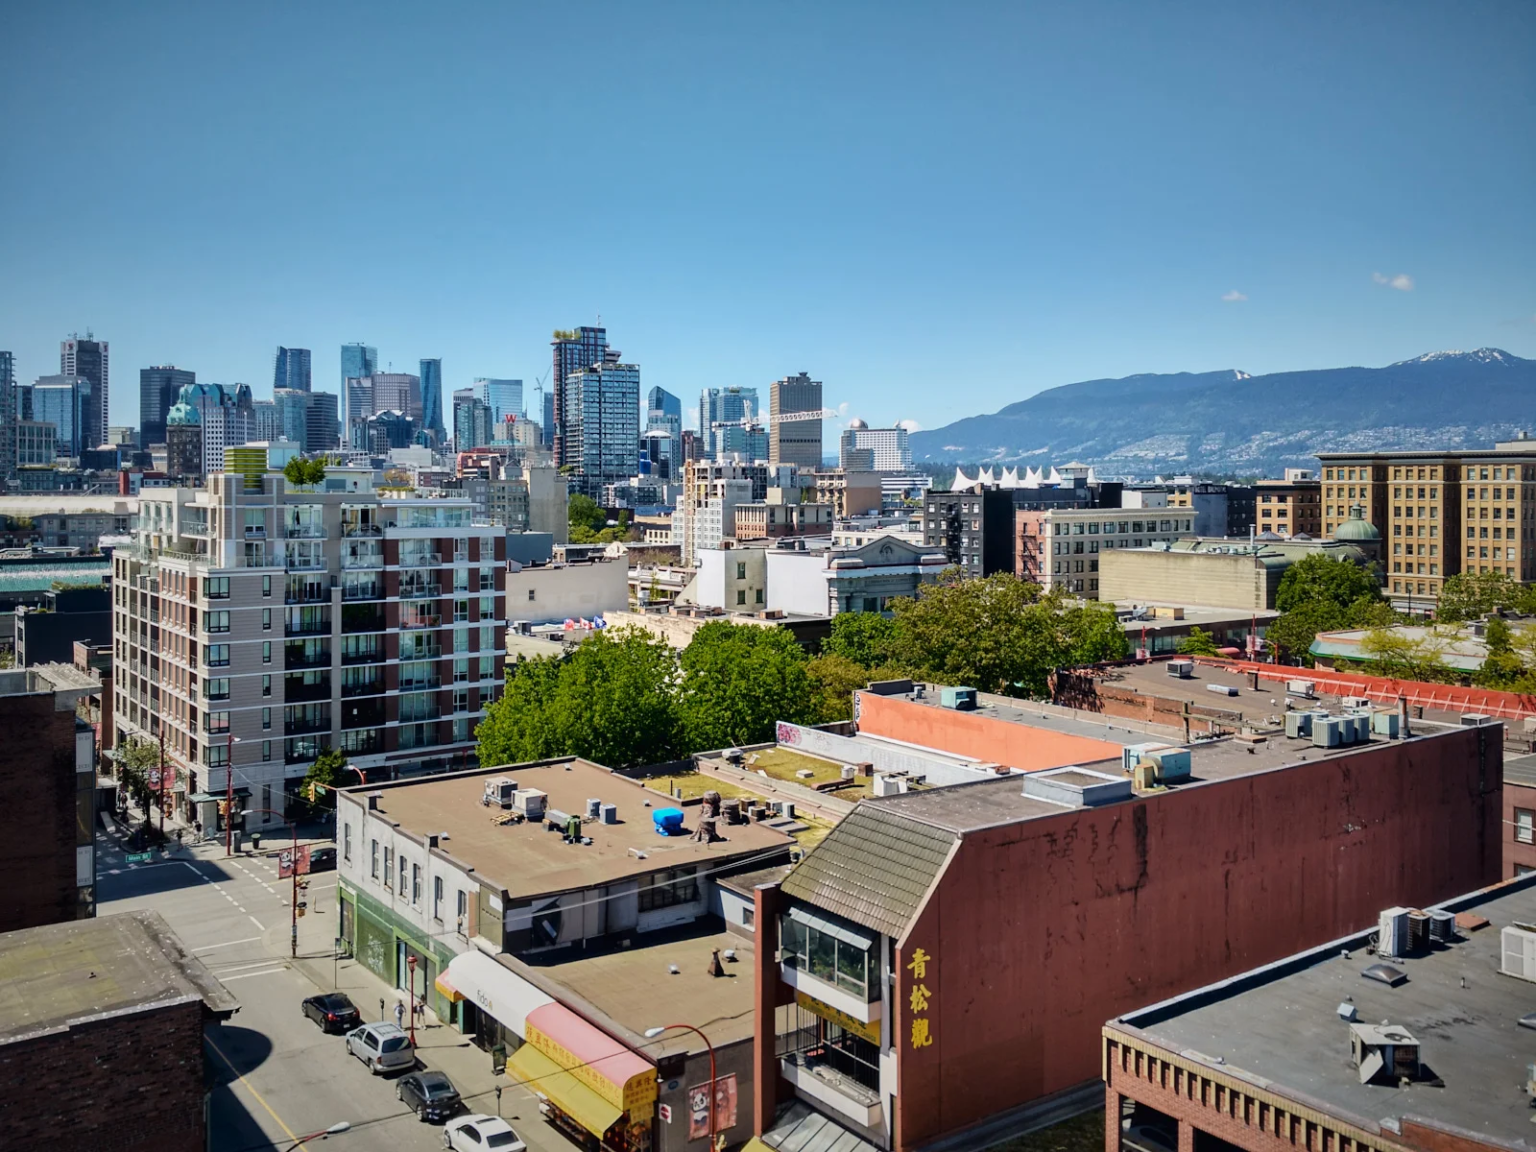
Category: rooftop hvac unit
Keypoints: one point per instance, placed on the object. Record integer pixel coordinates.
(1357, 702)
(1298, 725)
(1517, 951)
(1144, 775)
(531, 802)
(1221, 689)
(1475, 719)
(610, 813)
(594, 808)
(1131, 754)
(1442, 926)
(499, 790)
(1172, 763)
(960, 699)
(1385, 724)
(1306, 689)
(1183, 669)
(1392, 932)
(1327, 732)
(1363, 727)
(1384, 1052)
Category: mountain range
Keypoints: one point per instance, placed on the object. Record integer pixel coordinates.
(1234, 423)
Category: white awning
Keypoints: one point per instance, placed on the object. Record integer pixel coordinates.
(496, 990)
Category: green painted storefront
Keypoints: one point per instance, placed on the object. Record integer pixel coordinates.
(375, 936)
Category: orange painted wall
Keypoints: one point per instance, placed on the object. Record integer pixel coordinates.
(1040, 932)
(977, 735)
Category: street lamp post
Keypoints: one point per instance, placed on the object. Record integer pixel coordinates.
(410, 991)
(163, 788)
(653, 1033)
(229, 793)
(324, 1134)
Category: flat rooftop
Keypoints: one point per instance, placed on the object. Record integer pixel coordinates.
(58, 976)
(1279, 1026)
(528, 860)
(1192, 615)
(636, 989)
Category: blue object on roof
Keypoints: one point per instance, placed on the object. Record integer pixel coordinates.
(669, 821)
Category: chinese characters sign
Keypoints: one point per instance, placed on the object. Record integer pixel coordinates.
(920, 999)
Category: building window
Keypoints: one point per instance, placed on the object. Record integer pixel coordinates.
(266, 685)
(666, 889)
(741, 596)
(346, 841)
(841, 957)
(415, 884)
(218, 655)
(403, 862)
(266, 586)
(741, 571)
(266, 750)
(266, 651)
(266, 719)
(531, 593)
(1525, 825)
(373, 861)
(266, 619)
(437, 898)
(216, 588)
(217, 621)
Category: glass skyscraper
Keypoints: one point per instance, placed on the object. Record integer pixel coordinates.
(88, 357)
(291, 369)
(504, 398)
(159, 388)
(602, 425)
(719, 406)
(575, 349)
(357, 360)
(432, 399)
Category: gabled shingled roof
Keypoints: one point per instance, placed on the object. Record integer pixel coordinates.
(874, 868)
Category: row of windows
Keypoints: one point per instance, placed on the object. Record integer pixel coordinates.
(394, 876)
(1472, 472)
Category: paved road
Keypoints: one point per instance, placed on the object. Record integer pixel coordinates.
(276, 1077)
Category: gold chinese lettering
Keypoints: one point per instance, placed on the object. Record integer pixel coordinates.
(918, 965)
(921, 1037)
(919, 998)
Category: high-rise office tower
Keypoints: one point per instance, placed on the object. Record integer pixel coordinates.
(8, 415)
(602, 425)
(322, 426)
(292, 414)
(357, 361)
(504, 398)
(69, 404)
(268, 425)
(663, 432)
(721, 407)
(867, 449)
(291, 369)
(159, 388)
(393, 392)
(471, 420)
(87, 356)
(574, 350)
(547, 432)
(661, 408)
(795, 441)
(432, 399)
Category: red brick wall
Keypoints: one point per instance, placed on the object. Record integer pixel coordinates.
(37, 788)
(1041, 931)
(1089, 693)
(977, 735)
(127, 1084)
(1447, 697)
(1516, 854)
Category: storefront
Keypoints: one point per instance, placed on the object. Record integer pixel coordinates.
(594, 1089)
(487, 1001)
(384, 944)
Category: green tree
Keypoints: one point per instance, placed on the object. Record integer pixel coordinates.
(1404, 656)
(610, 700)
(328, 771)
(583, 512)
(1094, 634)
(1469, 595)
(1199, 642)
(833, 680)
(737, 680)
(865, 638)
(995, 634)
(1319, 577)
(301, 471)
(135, 757)
(1293, 633)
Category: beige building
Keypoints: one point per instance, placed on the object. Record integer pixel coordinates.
(795, 442)
(1439, 514)
(549, 593)
(1208, 573)
(1289, 507)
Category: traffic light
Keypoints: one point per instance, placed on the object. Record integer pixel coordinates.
(309, 791)
(224, 808)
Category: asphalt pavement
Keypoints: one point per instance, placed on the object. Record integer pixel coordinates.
(275, 1078)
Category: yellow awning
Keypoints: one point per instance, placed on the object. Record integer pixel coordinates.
(755, 1145)
(531, 1067)
(447, 989)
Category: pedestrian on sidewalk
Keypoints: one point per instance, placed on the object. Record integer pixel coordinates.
(399, 1014)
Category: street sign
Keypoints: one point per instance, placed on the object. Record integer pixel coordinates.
(139, 857)
(665, 1112)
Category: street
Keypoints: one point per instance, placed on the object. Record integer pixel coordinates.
(275, 1077)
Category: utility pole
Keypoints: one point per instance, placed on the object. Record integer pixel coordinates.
(163, 788)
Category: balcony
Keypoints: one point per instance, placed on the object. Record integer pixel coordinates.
(295, 657)
(305, 563)
(422, 589)
(421, 651)
(419, 715)
(421, 684)
(421, 620)
(307, 724)
(304, 532)
(320, 627)
(362, 742)
(421, 559)
(312, 592)
(362, 618)
(255, 532)
(370, 591)
(296, 690)
(358, 556)
(368, 687)
(363, 655)
(363, 714)
(352, 531)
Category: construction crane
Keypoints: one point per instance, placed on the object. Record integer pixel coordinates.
(781, 418)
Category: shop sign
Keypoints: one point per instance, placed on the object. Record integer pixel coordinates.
(725, 1107)
(920, 999)
(847, 1023)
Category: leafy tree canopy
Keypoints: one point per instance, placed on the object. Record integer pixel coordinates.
(865, 638)
(328, 771)
(737, 680)
(1199, 642)
(301, 471)
(584, 512)
(1469, 595)
(1319, 577)
(833, 681)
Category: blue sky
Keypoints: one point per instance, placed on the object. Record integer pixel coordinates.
(935, 209)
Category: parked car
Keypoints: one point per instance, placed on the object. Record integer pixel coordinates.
(383, 1047)
(322, 859)
(430, 1094)
(478, 1133)
(333, 1011)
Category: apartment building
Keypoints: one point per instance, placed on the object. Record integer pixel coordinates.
(1060, 547)
(972, 527)
(1439, 514)
(1290, 507)
(256, 624)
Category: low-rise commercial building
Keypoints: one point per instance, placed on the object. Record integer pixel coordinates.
(811, 578)
(47, 633)
(941, 957)
(1211, 573)
(566, 590)
(1064, 547)
(48, 787)
(1419, 1047)
(104, 1019)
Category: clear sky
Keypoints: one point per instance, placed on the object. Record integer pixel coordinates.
(934, 208)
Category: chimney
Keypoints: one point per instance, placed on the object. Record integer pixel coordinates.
(373, 801)
(1402, 715)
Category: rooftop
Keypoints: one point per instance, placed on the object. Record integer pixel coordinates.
(1279, 1026)
(527, 860)
(59, 976)
(1455, 647)
(635, 988)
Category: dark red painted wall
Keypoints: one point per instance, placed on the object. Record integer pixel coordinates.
(1518, 857)
(1041, 931)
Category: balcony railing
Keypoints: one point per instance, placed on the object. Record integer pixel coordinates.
(354, 530)
(304, 532)
(308, 627)
(363, 656)
(421, 684)
(295, 691)
(295, 657)
(362, 742)
(420, 559)
(374, 591)
(421, 620)
(309, 594)
(362, 687)
(255, 532)
(365, 714)
(306, 725)
(414, 716)
(305, 563)
(361, 618)
(423, 590)
(420, 651)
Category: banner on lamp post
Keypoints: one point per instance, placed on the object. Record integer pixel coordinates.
(293, 862)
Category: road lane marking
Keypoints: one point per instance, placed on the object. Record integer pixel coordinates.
(256, 922)
(248, 975)
(287, 1131)
(226, 944)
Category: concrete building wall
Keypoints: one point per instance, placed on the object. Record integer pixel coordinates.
(735, 579)
(797, 582)
(1038, 932)
(553, 592)
(37, 786)
(1201, 579)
